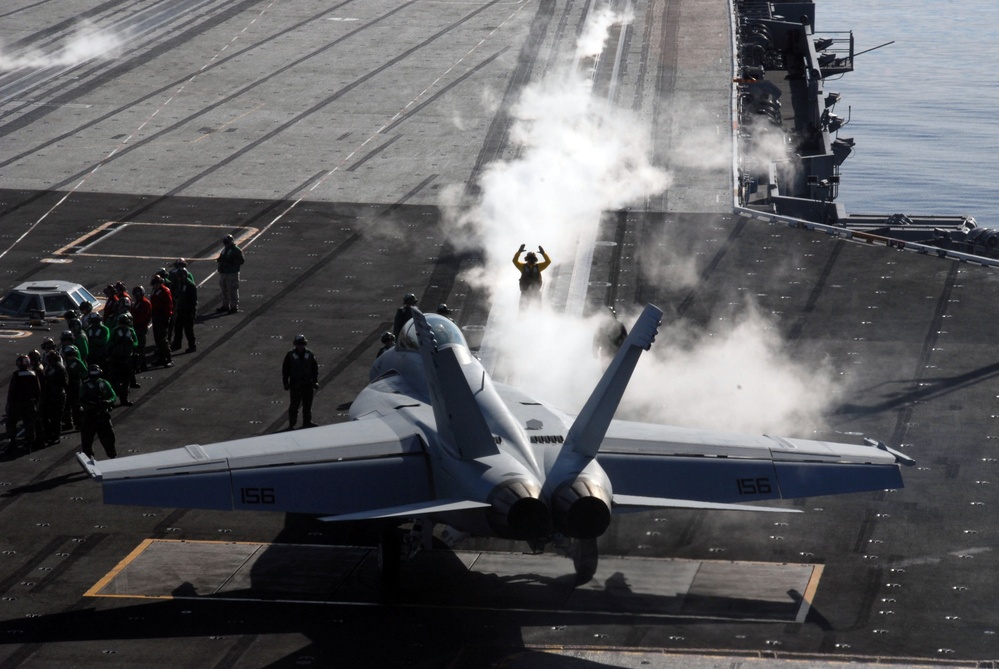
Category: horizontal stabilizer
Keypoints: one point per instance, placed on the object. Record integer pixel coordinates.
(641, 502)
(343, 468)
(90, 466)
(407, 510)
(683, 463)
(900, 458)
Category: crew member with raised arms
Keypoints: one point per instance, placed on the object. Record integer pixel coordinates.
(530, 275)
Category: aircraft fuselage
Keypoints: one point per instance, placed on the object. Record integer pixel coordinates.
(532, 484)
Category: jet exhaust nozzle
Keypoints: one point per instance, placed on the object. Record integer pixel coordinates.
(581, 509)
(517, 511)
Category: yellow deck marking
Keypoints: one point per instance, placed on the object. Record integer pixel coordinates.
(246, 233)
(809, 595)
(95, 591)
(101, 584)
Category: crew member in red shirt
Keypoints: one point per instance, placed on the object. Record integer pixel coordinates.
(162, 313)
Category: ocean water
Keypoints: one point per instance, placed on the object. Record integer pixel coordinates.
(924, 111)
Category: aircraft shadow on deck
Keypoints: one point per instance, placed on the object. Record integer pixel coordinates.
(296, 589)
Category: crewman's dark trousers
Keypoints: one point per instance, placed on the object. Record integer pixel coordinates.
(301, 396)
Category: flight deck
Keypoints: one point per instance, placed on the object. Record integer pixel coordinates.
(348, 575)
(336, 142)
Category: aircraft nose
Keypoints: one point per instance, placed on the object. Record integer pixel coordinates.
(517, 510)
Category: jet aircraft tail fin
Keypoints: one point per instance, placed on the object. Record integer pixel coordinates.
(587, 432)
(458, 415)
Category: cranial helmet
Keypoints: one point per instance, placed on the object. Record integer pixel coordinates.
(94, 370)
(410, 299)
(300, 339)
(387, 337)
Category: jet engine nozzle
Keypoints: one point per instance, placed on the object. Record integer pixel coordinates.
(517, 511)
(581, 509)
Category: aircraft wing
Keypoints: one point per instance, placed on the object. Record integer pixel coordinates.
(348, 468)
(647, 460)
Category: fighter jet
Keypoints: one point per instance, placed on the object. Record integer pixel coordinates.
(434, 440)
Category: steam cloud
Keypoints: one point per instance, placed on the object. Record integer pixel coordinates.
(579, 156)
(87, 43)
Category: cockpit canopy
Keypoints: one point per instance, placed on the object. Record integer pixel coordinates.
(445, 332)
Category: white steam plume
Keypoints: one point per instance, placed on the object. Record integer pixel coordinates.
(87, 43)
(735, 377)
(578, 157)
(592, 40)
(738, 378)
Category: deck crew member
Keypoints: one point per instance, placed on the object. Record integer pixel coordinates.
(530, 275)
(229, 261)
(300, 374)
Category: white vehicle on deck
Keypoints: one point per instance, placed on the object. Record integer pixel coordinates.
(45, 299)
